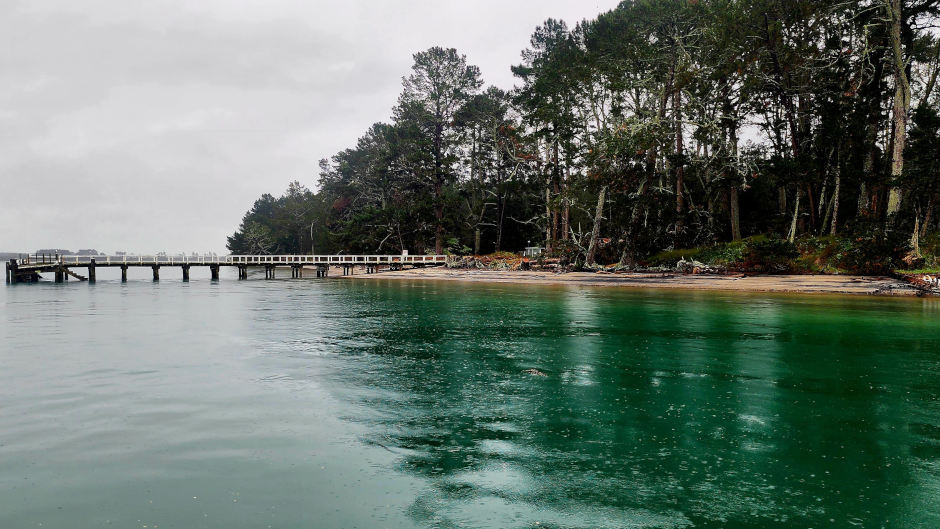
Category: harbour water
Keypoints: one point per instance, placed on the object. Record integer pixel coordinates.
(342, 403)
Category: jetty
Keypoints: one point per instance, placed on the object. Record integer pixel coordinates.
(30, 267)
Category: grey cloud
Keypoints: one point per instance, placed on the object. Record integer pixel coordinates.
(153, 126)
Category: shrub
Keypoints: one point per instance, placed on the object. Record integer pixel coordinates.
(869, 252)
(865, 254)
(565, 251)
(670, 257)
(930, 246)
(734, 254)
(455, 247)
(770, 255)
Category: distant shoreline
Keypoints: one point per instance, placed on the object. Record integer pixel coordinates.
(796, 284)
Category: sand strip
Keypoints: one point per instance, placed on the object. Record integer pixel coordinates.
(807, 284)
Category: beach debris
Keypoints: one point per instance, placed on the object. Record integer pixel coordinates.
(924, 284)
(534, 372)
(695, 267)
(502, 261)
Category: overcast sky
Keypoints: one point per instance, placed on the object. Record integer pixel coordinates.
(153, 126)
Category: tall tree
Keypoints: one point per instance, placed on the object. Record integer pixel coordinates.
(441, 82)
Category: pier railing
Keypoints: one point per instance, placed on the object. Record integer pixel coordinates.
(338, 260)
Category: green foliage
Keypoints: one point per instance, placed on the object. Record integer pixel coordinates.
(754, 254)
(871, 253)
(867, 254)
(567, 253)
(702, 122)
(930, 246)
(769, 255)
(454, 247)
(719, 254)
(291, 223)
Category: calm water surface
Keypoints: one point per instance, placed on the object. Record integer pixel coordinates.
(331, 403)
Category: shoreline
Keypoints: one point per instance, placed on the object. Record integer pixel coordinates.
(792, 284)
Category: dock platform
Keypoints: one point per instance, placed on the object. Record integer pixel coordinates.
(29, 268)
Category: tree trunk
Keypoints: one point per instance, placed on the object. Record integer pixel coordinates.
(565, 212)
(927, 217)
(439, 217)
(548, 216)
(733, 201)
(628, 255)
(796, 214)
(596, 231)
(821, 203)
(874, 93)
(833, 207)
(811, 208)
(499, 225)
(680, 171)
(932, 78)
(834, 229)
(863, 201)
(556, 172)
(439, 189)
(901, 106)
(548, 193)
(735, 214)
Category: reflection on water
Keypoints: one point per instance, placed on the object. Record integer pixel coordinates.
(656, 411)
(341, 404)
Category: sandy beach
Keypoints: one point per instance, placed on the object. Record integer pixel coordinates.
(806, 284)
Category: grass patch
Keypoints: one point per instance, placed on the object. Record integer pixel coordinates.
(931, 271)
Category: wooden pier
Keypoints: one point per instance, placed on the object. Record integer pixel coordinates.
(29, 268)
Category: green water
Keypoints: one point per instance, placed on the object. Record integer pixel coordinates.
(331, 403)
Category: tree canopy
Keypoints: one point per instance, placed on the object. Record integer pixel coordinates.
(660, 124)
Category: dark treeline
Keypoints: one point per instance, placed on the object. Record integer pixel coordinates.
(661, 124)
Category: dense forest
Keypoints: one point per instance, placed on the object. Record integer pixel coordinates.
(661, 124)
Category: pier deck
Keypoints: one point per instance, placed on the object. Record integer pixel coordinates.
(29, 268)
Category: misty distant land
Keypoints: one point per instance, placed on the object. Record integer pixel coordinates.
(6, 256)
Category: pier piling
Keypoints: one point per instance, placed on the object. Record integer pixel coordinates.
(27, 269)
(14, 271)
